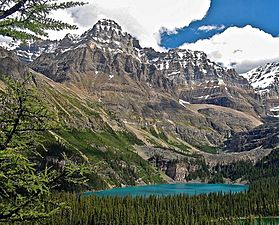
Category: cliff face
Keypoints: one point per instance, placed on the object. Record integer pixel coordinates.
(177, 172)
(265, 136)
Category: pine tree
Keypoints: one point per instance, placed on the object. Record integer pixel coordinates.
(29, 19)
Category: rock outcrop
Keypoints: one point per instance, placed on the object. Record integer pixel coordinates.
(265, 136)
(11, 66)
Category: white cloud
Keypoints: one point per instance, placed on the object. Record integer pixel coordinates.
(144, 19)
(241, 48)
(64, 16)
(5, 39)
(208, 28)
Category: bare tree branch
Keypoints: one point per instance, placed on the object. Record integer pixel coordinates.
(6, 13)
(16, 123)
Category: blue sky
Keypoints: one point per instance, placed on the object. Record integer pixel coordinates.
(262, 14)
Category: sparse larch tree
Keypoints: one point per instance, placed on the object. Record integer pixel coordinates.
(25, 185)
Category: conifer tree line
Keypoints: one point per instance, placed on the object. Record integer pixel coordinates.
(244, 170)
(262, 200)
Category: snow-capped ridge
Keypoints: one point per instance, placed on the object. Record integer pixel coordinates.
(178, 66)
(264, 77)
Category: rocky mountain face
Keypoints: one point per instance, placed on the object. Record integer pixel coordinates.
(265, 81)
(106, 52)
(265, 136)
(264, 78)
(197, 80)
(104, 85)
(10, 64)
(150, 88)
(31, 50)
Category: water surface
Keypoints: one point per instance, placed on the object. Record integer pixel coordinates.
(171, 189)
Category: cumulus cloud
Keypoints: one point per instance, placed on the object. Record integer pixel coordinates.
(64, 16)
(207, 28)
(144, 19)
(240, 48)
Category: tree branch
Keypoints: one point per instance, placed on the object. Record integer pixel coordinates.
(6, 13)
(15, 211)
(32, 197)
(16, 123)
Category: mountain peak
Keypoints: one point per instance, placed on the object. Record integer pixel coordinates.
(108, 24)
(107, 31)
(105, 27)
(264, 77)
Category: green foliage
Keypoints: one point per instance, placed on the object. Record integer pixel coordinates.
(21, 189)
(267, 167)
(26, 178)
(244, 170)
(179, 145)
(25, 19)
(23, 117)
(162, 136)
(114, 154)
(217, 179)
(154, 132)
(202, 172)
(131, 138)
(207, 148)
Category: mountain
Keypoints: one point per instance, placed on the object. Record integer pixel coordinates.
(107, 52)
(265, 81)
(104, 32)
(264, 78)
(10, 64)
(123, 104)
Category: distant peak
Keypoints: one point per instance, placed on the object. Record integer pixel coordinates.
(263, 77)
(188, 52)
(105, 29)
(104, 24)
(108, 32)
(108, 22)
(71, 36)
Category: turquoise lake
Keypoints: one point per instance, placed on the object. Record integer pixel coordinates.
(171, 189)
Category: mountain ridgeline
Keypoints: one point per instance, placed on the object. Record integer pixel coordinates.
(142, 116)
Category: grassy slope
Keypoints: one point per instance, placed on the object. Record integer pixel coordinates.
(91, 132)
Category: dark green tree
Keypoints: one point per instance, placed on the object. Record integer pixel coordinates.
(29, 19)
